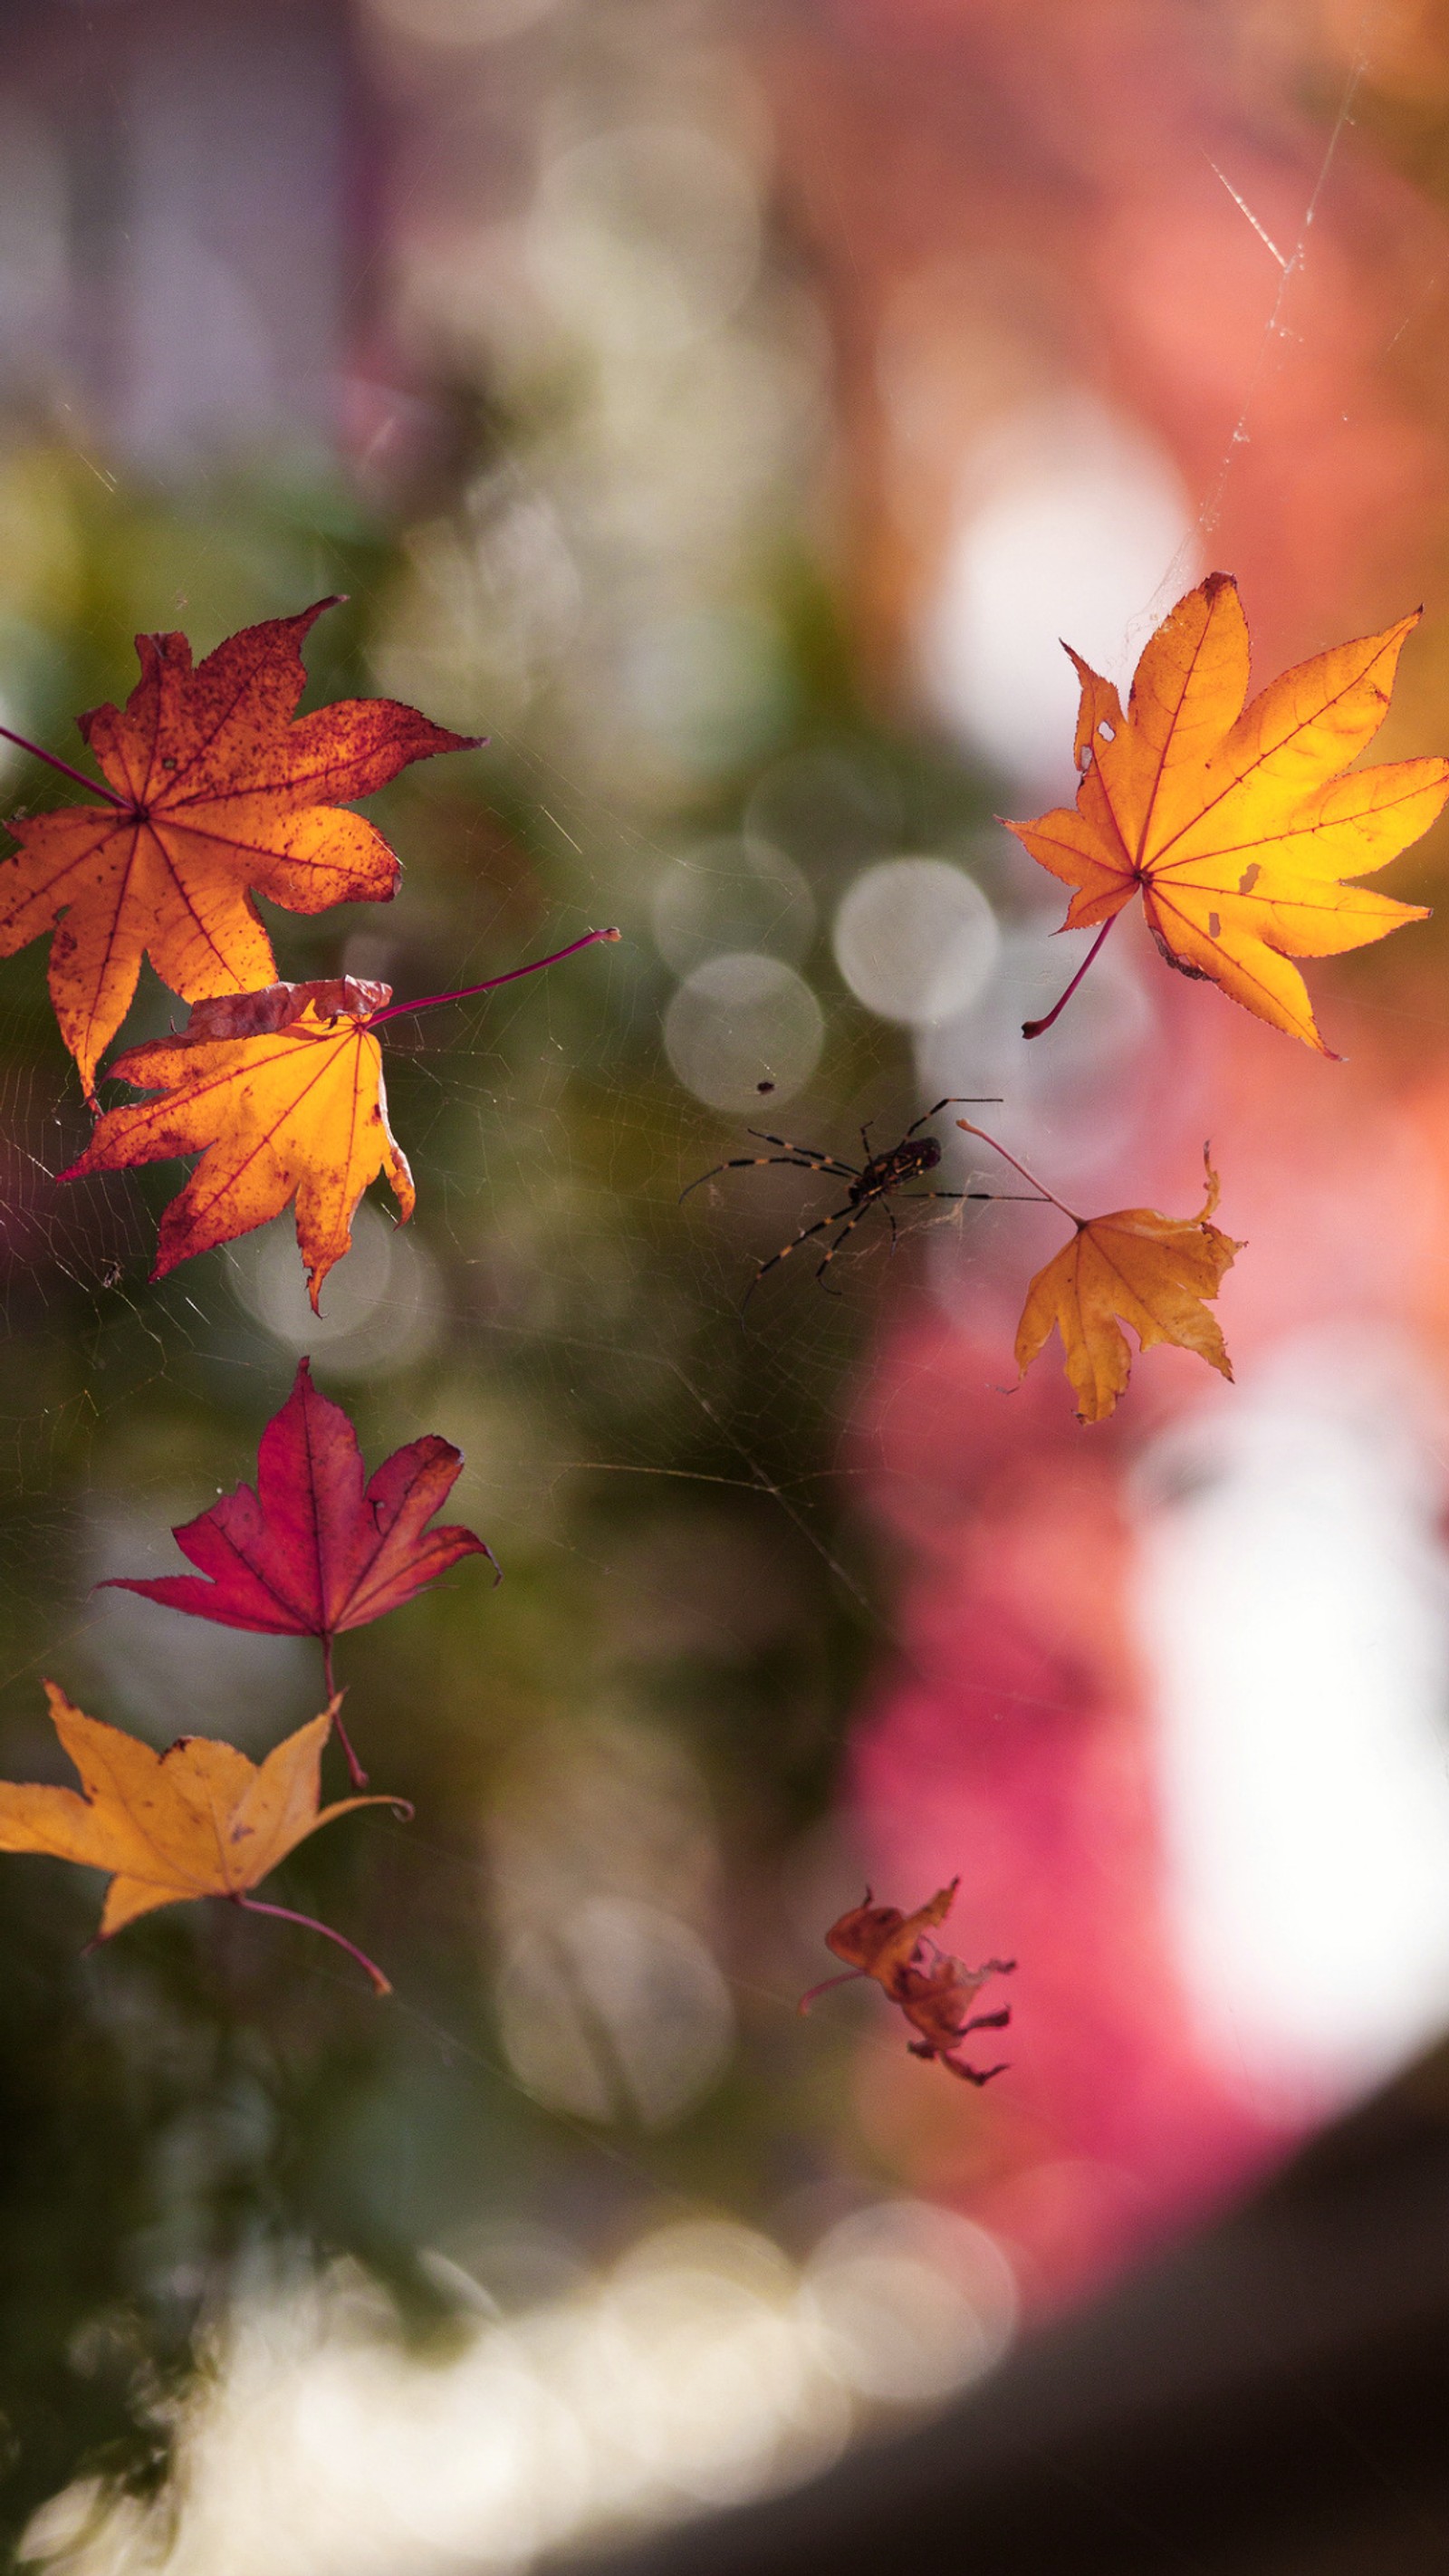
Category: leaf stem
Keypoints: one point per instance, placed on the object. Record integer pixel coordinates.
(359, 1776)
(92, 786)
(844, 1979)
(433, 1001)
(1034, 1028)
(309, 1923)
(966, 1126)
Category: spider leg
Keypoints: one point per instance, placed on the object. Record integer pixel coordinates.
(865, 1138)
(786, 1249)
(854, 1218)
(953, 1100)
(750, 1163)
(821, 1161)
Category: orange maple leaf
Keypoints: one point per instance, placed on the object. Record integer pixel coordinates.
(1134, 1267)
(297, 1113)
(1237, 823)
(934, 1991)
(199, 1820)
(213, 789)
(281, 1093)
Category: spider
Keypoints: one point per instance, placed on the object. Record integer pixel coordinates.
(872, 1184)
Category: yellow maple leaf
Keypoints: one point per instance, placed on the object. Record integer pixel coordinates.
(198, 1820)
(281, 1093)
(1133, 1267)
(1237, 823)
(295, 1113)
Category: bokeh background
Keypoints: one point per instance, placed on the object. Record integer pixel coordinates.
(726, 410)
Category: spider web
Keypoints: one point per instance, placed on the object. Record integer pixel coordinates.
(651, 1712)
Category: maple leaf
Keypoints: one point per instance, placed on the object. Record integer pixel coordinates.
(297, 1113)
(934, 1991)
(213, 790)
(1134, 1267)
(198, 1820)
(312, 1550)
(1237, 823)
(281, 1093)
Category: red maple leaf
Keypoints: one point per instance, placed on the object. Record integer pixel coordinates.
(311, 1550)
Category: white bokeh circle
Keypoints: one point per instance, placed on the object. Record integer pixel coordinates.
(916, 940)
(910, 2300)
(617, 2013)
(1070, 521)
(382, 1305)
(739, 1021)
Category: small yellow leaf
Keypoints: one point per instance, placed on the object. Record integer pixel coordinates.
(198, 1820)
(1133, 1267)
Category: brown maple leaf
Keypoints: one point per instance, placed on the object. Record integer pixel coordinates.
(1237, 824)
(1133, 1267)
(213, 790)
(198, 1820)
(281, 1093)
(934, 1991)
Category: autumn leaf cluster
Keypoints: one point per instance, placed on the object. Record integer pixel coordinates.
(214, 791)
(312, 1549)
(1239, 822)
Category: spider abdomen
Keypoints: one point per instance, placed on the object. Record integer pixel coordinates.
(903, 1163)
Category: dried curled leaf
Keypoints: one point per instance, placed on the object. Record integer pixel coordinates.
(313, 1550)
(298, 1112)
(198, 1820)
(936, 1999)
(1237, 824)
(934, 1991)
(216, 790)
(277, 1006)
(879, 1940)
(1134, 1267)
